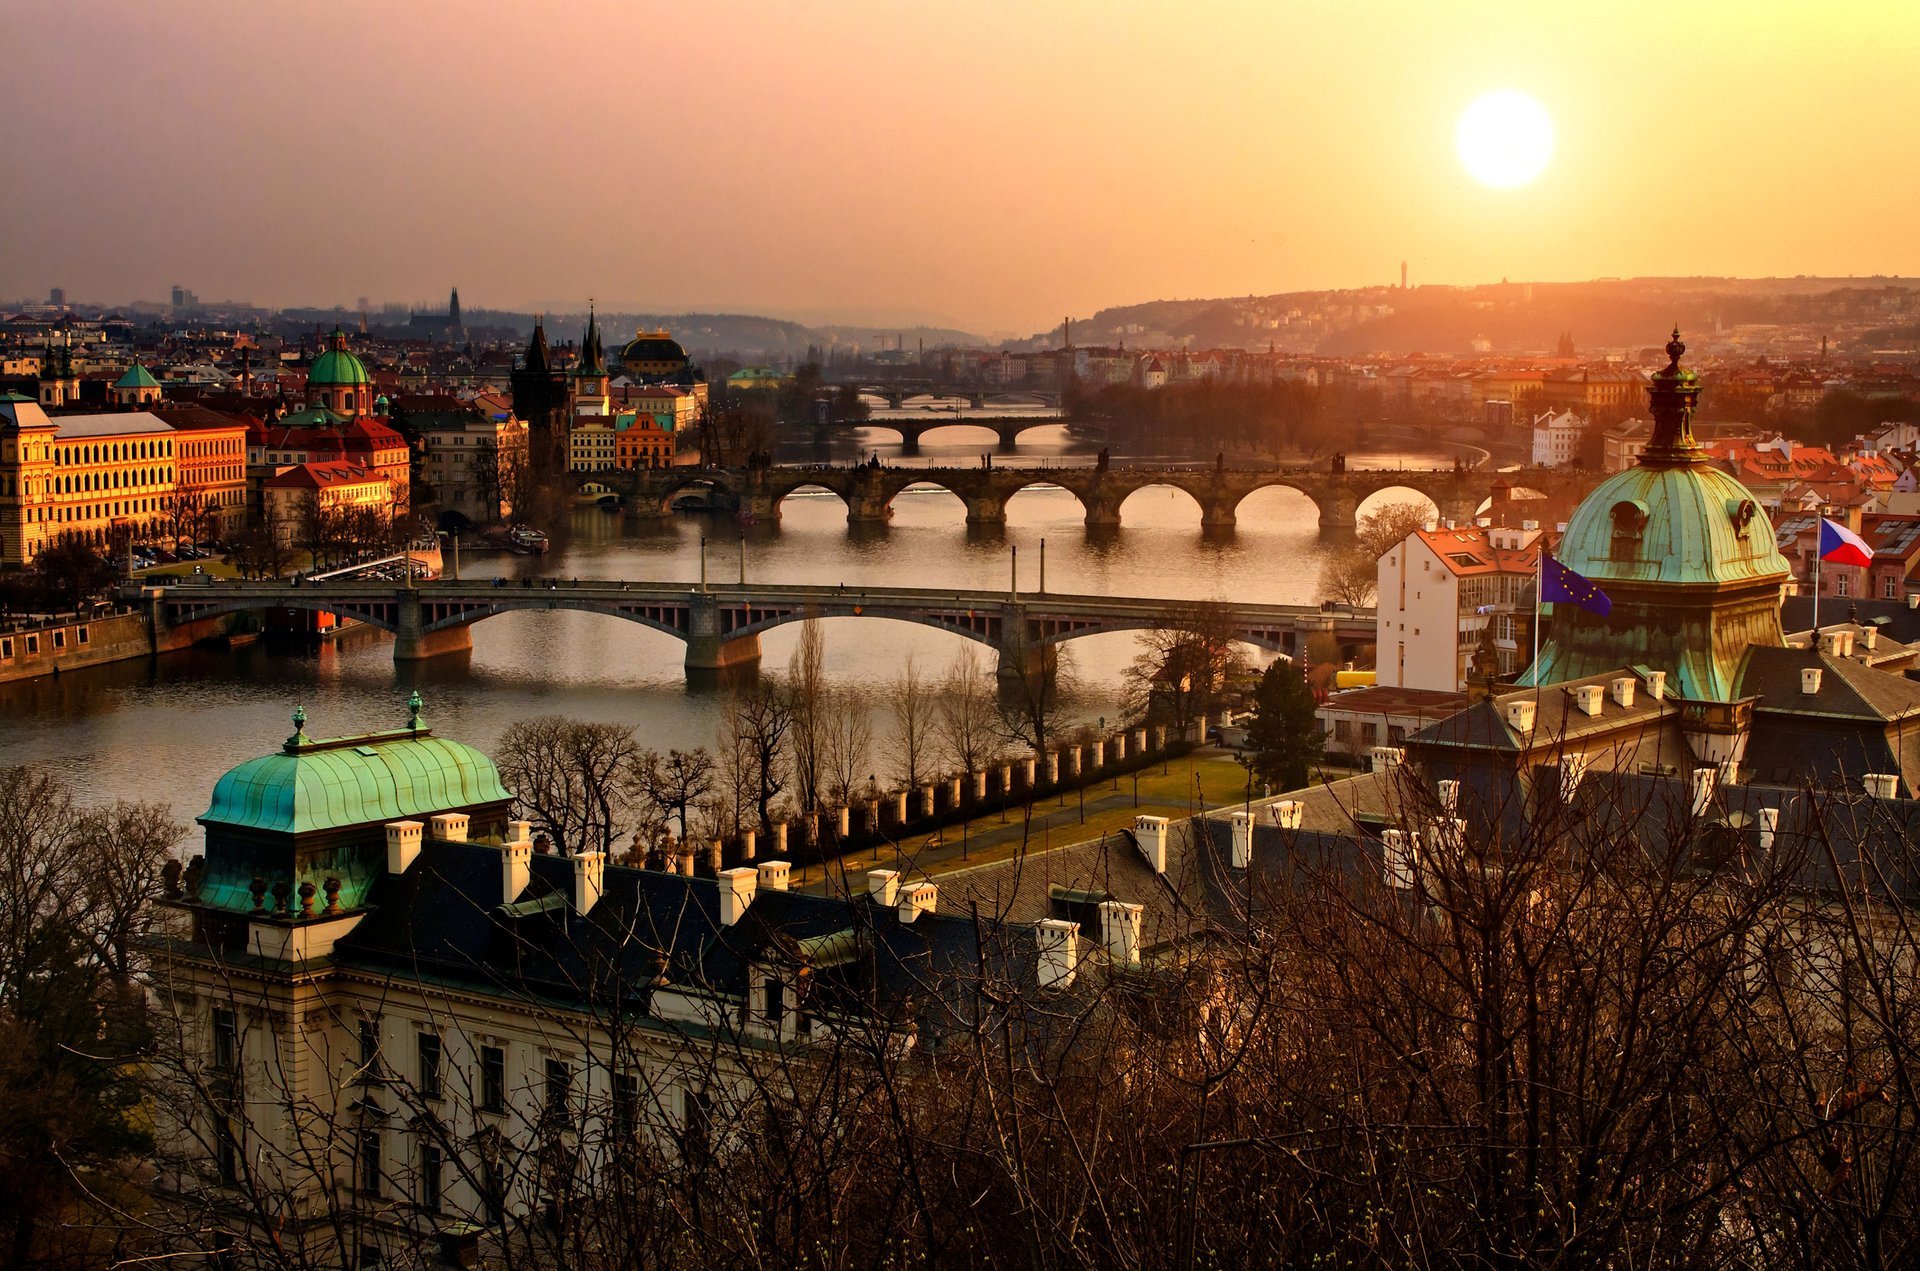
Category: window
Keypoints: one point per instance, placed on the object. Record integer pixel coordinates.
(430, 1171)
(60, 638)
(33, 644)
(429, 1066)
(1890, 588)
(626, 1104)
(370, 1049)
(226, 1147)
(6, 648)
(559, 1086)
(225, 1037)
(697, 1126)
(1841, 585)
(369, 1181)
(1629, 520)
(773, 1002)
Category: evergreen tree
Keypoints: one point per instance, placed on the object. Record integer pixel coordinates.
(1284, 740)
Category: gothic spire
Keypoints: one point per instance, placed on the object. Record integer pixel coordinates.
(593, 361)
(538, 356)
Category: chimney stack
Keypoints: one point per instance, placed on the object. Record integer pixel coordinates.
(737, 887)
(1286, 813)
(1059, 950)
(883, 886)
(1120, 925)
(1242, 839)
(773, 875)
(1150, 832)
(589, 880)
(450, 827)
(403, 844)
(1703, 782)
(917, 899)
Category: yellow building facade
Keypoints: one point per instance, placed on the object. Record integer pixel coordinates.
(105, 480)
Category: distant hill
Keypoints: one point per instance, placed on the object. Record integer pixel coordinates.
(745, 336)
(1505, 317)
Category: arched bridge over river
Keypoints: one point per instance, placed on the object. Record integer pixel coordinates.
(721, 624)
(869, 492)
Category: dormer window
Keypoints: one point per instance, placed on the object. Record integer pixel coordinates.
(1629, 523)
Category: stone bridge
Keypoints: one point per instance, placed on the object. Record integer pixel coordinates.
(721, 624)
(1007, 428)
(899, 392)
(869, 492)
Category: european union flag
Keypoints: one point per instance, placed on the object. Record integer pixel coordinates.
(1560, 585)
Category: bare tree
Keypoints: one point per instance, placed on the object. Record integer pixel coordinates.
(674, 784)
(913, 706)
(1351, 574)
(807, 693)
(847, 733)
(1183, 663)
(966, 718)
(572, 778)
(754, 728)
(1030, 704)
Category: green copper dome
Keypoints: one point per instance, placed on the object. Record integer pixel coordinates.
(1693, 524)
(337, 367)
(1684, 554)
(326, 785)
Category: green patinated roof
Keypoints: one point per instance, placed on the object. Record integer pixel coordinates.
(337, 365)
(1689, 536)
(324, 785)
(137, 376)
(311, 417)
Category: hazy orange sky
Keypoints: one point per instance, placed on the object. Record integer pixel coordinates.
(988, 165)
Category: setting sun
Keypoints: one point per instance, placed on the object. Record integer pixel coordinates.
(1504, 139)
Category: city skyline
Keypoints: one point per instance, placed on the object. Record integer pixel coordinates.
(989, 173)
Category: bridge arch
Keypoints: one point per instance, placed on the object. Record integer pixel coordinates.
(1397, 492)
(1175, 487)
(375, 613)
(679, 485)
(982, 626)
(669, 619)
(782, 493)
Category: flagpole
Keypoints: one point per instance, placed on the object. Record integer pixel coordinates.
(1539, 585)
(1818, 531)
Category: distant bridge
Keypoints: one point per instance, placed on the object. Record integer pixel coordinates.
(869, 492)
(899, 393)
(1006, 428)
(721, 624)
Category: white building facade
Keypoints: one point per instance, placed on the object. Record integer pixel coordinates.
(1438, 590)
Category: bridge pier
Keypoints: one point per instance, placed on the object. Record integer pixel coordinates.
(412, 643)
(1218, 516)
(987, 511)
(710, 650)
(1103, 514)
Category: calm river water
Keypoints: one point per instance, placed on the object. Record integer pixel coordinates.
(166, 730)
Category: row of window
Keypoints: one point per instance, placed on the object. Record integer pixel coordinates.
(115, 452)
(30, 643)
(120, 480)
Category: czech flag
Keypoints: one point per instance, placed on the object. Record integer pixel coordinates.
(1842, 546)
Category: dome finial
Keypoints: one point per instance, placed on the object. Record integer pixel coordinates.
(1675, 348)
(413, 711)
(299, 737)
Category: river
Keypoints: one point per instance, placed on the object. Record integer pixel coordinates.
(166, 730)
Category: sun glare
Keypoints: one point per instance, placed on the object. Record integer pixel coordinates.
(1504, 139)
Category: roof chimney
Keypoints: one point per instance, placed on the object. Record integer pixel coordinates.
(1059, 950)
(1385, 757)
(1657, 685)
(883, 886)
(1397, 850)
(403, 845)
(1769, 827)
(1882, 785)
(1703, 782)
(1520, 716)
(1150, 832)
(1242, 839)
(1623, 691)
(737, 887)
(773, 875)
(1286, 813)
(1120, 927)
(450, 827)
(516, 867)
(1573, 767)
(1810, 680)
(1450, 796)
(589, 880)
(917, 899)
(1588, 698)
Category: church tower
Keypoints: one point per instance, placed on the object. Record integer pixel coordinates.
(1685, 555)
(538, 393)
(453, 311)
(588, 393)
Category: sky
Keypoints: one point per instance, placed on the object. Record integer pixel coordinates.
(988, 165)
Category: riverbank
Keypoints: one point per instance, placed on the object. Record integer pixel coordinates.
(100, 635)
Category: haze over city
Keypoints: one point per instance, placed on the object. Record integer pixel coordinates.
(989, 167)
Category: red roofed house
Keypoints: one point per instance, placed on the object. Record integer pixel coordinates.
(290, 496)
(1438, 590)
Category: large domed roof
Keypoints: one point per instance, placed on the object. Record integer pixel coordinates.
(337, 367)
(1691, 524)
(653, 346)
(1684, 554)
